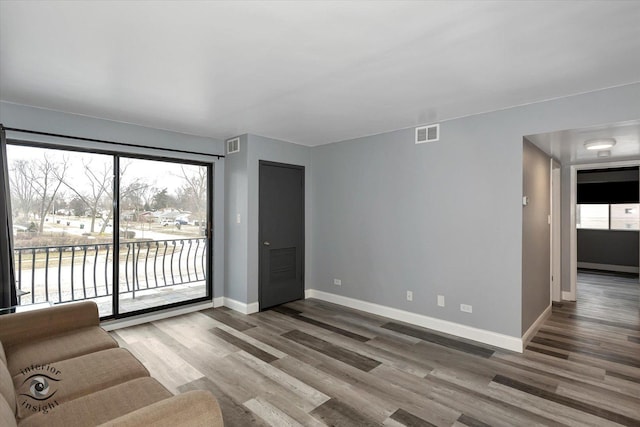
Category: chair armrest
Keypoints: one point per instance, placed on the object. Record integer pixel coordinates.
(17, 328)
(191, 409)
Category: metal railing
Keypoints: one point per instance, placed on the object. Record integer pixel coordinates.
(77, 272)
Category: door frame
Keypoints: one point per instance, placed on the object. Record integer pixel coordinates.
(261, 259)
(556, 231)
(572, 294)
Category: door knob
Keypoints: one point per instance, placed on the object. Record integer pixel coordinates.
(266, 243)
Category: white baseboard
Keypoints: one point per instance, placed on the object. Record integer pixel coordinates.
(608, 267)
(568, 296)
(241, 307)
(110, 325)
(535, 326)
(480, 335)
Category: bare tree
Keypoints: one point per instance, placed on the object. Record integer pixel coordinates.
(128, 191)
(36, 183)
(51, 178)
(99, 181)
(60, 201)
(193, 193)
(134, 195)
(23, 194)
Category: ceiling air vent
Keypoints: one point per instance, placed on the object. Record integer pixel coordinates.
(429, 133)
(233, 145)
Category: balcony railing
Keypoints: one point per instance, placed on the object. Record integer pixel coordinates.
(76, 272)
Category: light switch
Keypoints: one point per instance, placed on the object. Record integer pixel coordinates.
(238, 218)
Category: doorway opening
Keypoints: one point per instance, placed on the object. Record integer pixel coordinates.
(572, 150)
(605, 221)
(598, 290)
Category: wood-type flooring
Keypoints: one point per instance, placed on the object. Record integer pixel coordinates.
(313, 363)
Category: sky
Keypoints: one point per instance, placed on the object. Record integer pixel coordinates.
(155, 173)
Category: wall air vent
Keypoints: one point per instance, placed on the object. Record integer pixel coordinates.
(429, 133)
(233, 145)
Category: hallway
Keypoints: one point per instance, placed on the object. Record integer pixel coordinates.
(601, 330)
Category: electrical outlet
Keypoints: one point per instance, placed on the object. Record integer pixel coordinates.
(409, 296)
(238, 219)
(337, 282)
(441, 300)
(466, 308)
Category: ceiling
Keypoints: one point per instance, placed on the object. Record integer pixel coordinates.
(309, 72)
(567, 146)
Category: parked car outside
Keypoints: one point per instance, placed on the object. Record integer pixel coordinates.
(181, 221)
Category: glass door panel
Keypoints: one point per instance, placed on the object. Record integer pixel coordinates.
(62, 210)
(164, 246)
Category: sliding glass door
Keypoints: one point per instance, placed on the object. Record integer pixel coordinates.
(82, 219)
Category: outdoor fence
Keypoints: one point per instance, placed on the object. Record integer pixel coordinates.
(77, 272)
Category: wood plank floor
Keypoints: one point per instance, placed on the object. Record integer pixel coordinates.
(314, 363)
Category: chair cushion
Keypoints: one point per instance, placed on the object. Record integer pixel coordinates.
(101, 406)
(42, 323)
(72, 378)
(6, 388)
(195, 408)
(3, 358)
(7, 418)
(57, 347)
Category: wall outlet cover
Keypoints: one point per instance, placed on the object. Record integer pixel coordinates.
(440, 300)
(337, 282)
(409, 296)
(466, 308)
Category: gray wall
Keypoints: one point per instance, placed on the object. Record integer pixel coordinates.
(237, 203)
(441, 218)
(386, 215)
(536, 242)
(40, 119)
(242, 197)
(614, 247)
(20, 116)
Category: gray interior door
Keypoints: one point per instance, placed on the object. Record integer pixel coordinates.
(281, 233)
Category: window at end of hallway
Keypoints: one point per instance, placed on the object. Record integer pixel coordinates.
(620, 216)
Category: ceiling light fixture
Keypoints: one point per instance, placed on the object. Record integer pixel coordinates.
(599, 143)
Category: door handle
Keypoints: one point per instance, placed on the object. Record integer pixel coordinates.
(266, 243)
